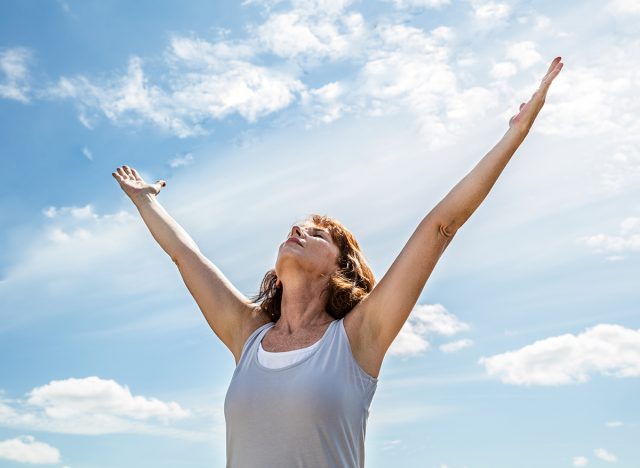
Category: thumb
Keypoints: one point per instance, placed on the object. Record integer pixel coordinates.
(160, 183)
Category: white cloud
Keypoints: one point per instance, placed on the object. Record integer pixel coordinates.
(425, 320)
(325, 104)
(309, 37)
(391, 444)
(611, 350)
(93, 406)
(614, 423)
(218, 88)
(602, 454)
(524, 53)
(457, 345)
(181, 160)
(503, 70)
(25, 449)
(87, 153)
(421, 3)
(489, 14)
(623, 7)
(13, 64)
(580, 461)
(627, 241)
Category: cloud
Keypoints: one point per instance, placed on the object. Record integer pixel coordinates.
(87, 153)
(423, 321)
(14, 64)
(614, 423)
(25, 449)
(580, 461)
(628, 240)
(602, 454)
(76, 249)
(421, 3)
(606, 349)
(623, 8)
(524, 53)
(457, 345)
(215, 87)
(391, 444)
(489, 14)
(94, 406)
(310, 35)
(181, 160)
(503, 70)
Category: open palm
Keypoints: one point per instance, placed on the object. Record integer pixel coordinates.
(134, 185)
(529, 111)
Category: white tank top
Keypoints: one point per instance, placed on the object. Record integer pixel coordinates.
(277, 359)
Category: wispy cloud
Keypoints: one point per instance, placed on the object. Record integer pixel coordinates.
(14, 63)
(606, 349)
(181, 160)
(87, 153)
(236, 86)
(457, 345)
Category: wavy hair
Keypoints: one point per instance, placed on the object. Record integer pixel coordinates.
(346, 287)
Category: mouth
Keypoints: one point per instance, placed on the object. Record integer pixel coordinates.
(294, 239)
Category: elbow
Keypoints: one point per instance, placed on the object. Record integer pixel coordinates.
(446, 230)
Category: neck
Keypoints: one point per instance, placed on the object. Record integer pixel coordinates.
(301, 306)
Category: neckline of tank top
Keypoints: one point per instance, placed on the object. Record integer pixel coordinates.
(300, 361)
(287, 353)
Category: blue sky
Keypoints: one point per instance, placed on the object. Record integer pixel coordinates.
(524, 347)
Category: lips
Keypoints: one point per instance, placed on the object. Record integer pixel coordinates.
(296, 240)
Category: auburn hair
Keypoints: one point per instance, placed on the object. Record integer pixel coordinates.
(346, 287)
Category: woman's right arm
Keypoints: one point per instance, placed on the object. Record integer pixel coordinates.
(224, 307)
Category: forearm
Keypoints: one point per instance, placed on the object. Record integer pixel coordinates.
(463, 199)
(165, 230)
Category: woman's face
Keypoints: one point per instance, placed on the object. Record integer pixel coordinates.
(308, 248)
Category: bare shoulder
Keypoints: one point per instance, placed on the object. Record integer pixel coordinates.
(253, 318)
(364, 347)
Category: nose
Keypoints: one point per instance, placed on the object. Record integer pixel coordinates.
(296, 231)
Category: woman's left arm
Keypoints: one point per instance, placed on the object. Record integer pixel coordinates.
(460, 203)
(382, 313)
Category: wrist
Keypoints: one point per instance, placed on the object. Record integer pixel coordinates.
(141, 198)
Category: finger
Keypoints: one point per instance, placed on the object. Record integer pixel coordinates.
(161, 183)
(521, 106)
(546, 82)
(122, 173)
(127, 170)
(553, 64)
(117, 176)
(135, 174)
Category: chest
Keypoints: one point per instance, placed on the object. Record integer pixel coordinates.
(277, 343)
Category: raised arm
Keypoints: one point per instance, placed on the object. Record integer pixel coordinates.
(381, 315)
(456, 208)
(224, 307)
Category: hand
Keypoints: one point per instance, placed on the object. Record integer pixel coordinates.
(133, 185)
(529, 111)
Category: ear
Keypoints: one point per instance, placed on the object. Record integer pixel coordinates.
(278, 283)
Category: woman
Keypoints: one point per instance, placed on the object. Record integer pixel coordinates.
(309, 347)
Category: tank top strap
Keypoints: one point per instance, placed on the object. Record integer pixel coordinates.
(254, 339)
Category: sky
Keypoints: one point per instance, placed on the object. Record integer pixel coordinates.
(523, 349)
